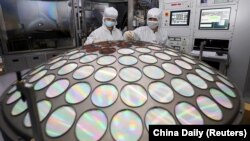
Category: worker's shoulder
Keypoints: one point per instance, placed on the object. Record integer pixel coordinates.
(98, 29)
(104, 29)
(117, 30)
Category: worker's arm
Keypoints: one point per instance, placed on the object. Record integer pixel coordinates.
(132, 35)
(167, 42)
(91, 38)
(120, 37)
(138, 33)
(128, 35)
(164, 37)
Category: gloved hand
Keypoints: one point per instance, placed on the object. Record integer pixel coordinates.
(129, 36)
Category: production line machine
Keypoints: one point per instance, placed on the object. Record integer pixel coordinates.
(115, 90)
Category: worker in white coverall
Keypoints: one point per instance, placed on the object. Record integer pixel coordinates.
(151, 32)
(108, 30)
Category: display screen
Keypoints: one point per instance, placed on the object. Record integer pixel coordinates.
(179, 18)
(215, 19)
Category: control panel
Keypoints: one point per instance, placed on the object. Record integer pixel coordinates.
(179, 43)
(216, 2)
(173, 6)
(186, 20)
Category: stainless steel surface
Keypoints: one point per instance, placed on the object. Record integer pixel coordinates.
(28, 24)
(1, 137)
(201, 49)
(45, 24)
(21, 61)
(246, 92)
(130, 14)
(75, 7)
(239, 70)
(84, 26)
(3, 34)
(7, 79)
(45, 15)
(108, 1)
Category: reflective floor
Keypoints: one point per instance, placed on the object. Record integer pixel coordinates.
(1, 138)
(246, 117)
(5, 81)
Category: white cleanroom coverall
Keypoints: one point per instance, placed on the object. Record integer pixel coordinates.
(146, 33)
(103, 33)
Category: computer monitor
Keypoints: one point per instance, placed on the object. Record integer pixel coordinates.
(179, 18)
(215, 19)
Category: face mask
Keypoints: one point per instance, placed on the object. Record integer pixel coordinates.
(109, 23)
(152, 24)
